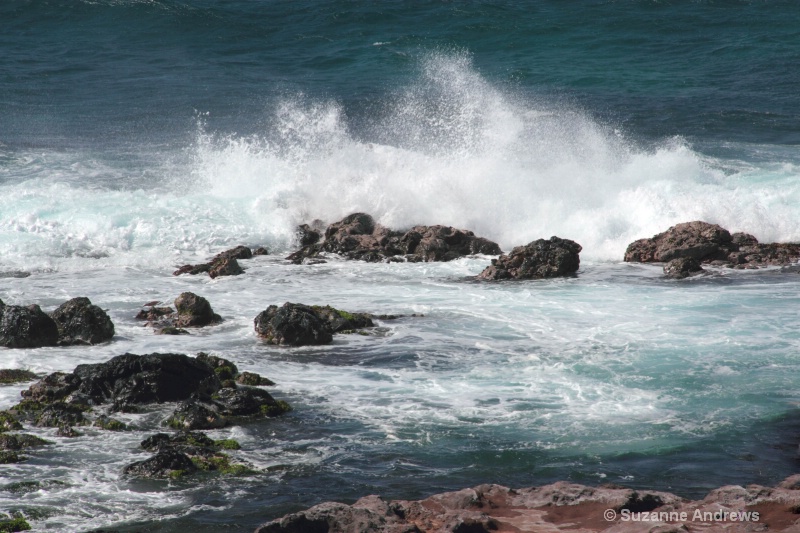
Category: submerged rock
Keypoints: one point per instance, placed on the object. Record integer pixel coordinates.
(26, 327)
(539, 259)
(358, 236)
(164, 464)
(80, 322)
(683, 267)
(15, 375)
(711, 243)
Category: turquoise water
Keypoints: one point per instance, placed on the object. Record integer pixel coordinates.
(140, 135)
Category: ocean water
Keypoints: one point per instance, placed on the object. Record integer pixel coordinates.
(139, 135)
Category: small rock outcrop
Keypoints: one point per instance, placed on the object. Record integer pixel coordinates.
(184, 453)
(80, 322)
(359, 237)
(26, 327)
(682, 268)
(300, 325)
(539, 259)
(224, 263)
(15, 375)
(191, 311)
(711, 244)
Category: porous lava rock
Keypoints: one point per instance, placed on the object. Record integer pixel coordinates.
(81, 322)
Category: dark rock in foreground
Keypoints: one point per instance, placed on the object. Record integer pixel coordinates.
(80, 322)
(26, 327)
(557, 507)
(164, 464)
(300, 325)
(358, 236)
(537, 260)
(224, 263)
(710, 243)
(682, 268)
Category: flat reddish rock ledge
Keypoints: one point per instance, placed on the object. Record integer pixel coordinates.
(558, 507)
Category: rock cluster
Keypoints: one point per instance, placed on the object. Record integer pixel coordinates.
(223, 264)
(206, 386)
(557, 507)
(711, 244)
(539, 259)
(299, 325)
(358, 236)
(74, 322)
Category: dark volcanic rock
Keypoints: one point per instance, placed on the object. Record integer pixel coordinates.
(224, 407)
(710, 243)
(338, 320)
(308, 235)
(26, 327)
(80, 322)
(538, 259)
(194, 311)
(164, 464)
(293, 325)
(683, 267)
(132, 379)
(223, 264)
(194, 414)
(253, 379)
(358, 236)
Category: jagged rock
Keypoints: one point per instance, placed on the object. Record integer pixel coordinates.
(164, 464)
(536, 260)
(26, 327)
(308, 235)
(194, 311)
(292, 324)
(358, 236)
(80, 322)
(223, 264)
(224, 368)
(130, 378)
(683, 267)
(223, 407)
(711, 243)
(59, 414)
(151, 313)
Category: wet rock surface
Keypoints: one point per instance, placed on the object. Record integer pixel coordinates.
(191, 311)
(300, 325)
(711, 244)
(81, 322)
(26, 327)
(682, 268)
(539, 259)
(359, 237)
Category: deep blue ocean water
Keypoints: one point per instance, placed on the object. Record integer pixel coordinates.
(137, 135)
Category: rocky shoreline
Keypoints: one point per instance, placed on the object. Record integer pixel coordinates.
(209, 392)
(560, 506)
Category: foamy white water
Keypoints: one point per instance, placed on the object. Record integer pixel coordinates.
(511, 382)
